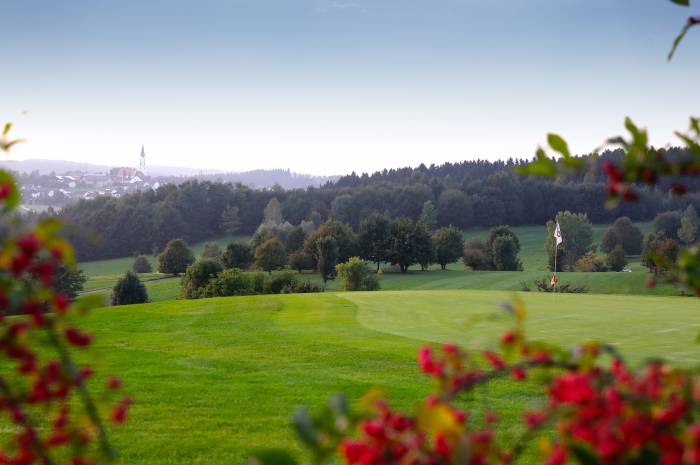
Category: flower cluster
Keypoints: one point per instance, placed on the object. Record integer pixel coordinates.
(51, 416)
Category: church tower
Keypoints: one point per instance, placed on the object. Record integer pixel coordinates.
(142, 161)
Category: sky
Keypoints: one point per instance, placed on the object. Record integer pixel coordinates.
(334, 86)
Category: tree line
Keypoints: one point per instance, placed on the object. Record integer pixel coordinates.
(469, 194)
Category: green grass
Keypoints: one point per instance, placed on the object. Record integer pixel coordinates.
(214, 379)
(118, 266)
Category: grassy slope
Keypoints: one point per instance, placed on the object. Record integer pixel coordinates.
(103, 274)
(214, 379)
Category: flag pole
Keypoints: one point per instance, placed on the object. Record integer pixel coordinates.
(556, 246)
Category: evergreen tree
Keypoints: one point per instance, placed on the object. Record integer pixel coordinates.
(175, 258)
(129, 290)
(429, 215)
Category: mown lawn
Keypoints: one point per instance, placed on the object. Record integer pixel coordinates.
(214, 379)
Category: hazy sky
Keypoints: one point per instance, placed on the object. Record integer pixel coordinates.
(331, 86)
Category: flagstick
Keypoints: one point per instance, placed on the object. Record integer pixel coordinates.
(556, 246)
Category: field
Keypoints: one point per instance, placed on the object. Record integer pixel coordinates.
(215, 379)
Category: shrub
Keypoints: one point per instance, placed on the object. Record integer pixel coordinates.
(357, 276)
(141, 265)
(280, 282)
(129, 290)
(476, 255)
(270, 255)
(545, 285)
(300, 261)
(616, 260)
(504, 253)
(237, 255)
(198, 276)
(175, 258)
(659, 253)
(229, 283)
(449, 245)
(590, 262)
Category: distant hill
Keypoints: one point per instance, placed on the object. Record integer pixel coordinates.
(255, 178)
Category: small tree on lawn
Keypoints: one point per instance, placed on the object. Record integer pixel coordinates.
(660, 252)
(69, 281)
(270, 255)
(374, 238)
(175, 258)
(423, 246)
(237, 255)
(129, 290)
(615, 260)
(141, 265)
(326, 258)
(577, 232)
(477, 255)
(624, 233)
(504, 253)
(449, 245)
(356, 276)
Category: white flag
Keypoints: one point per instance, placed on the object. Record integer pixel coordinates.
(557, 234)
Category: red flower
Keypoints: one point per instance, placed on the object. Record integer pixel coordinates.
(61, 302)
(114, 383)
(508, 337)
(494, 359)
(5, 190)
(119, 413)
(534, 419)
(571, 388)
(557, 456)
(29, 244)
(77, 337)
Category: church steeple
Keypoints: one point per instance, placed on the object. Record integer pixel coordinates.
(142, 161)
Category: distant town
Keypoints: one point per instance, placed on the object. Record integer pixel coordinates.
(69, 182)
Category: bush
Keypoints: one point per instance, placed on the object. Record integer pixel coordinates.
(237, 255)
(616, 260)
(141, 265)
(544, 285)
(129, 290)
(357, 276)
(270, 255)
(659, 253)
(229, 283)
(198, 276)
(476, 255)
(590, 262)
(175, 258)
(280, 282)
(300, 261)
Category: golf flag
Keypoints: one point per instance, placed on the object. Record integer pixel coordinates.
(557, 234)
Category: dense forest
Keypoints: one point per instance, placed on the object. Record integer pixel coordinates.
(468, 194)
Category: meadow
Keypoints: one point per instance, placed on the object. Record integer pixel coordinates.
(215, 379)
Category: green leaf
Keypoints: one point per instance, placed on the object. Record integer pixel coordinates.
(558, 144)
(271, 457)
(583, 454)
(681, 2)
(541, 166)
(678, 39)
(6, 129)
(649, 456)
(12, 199)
